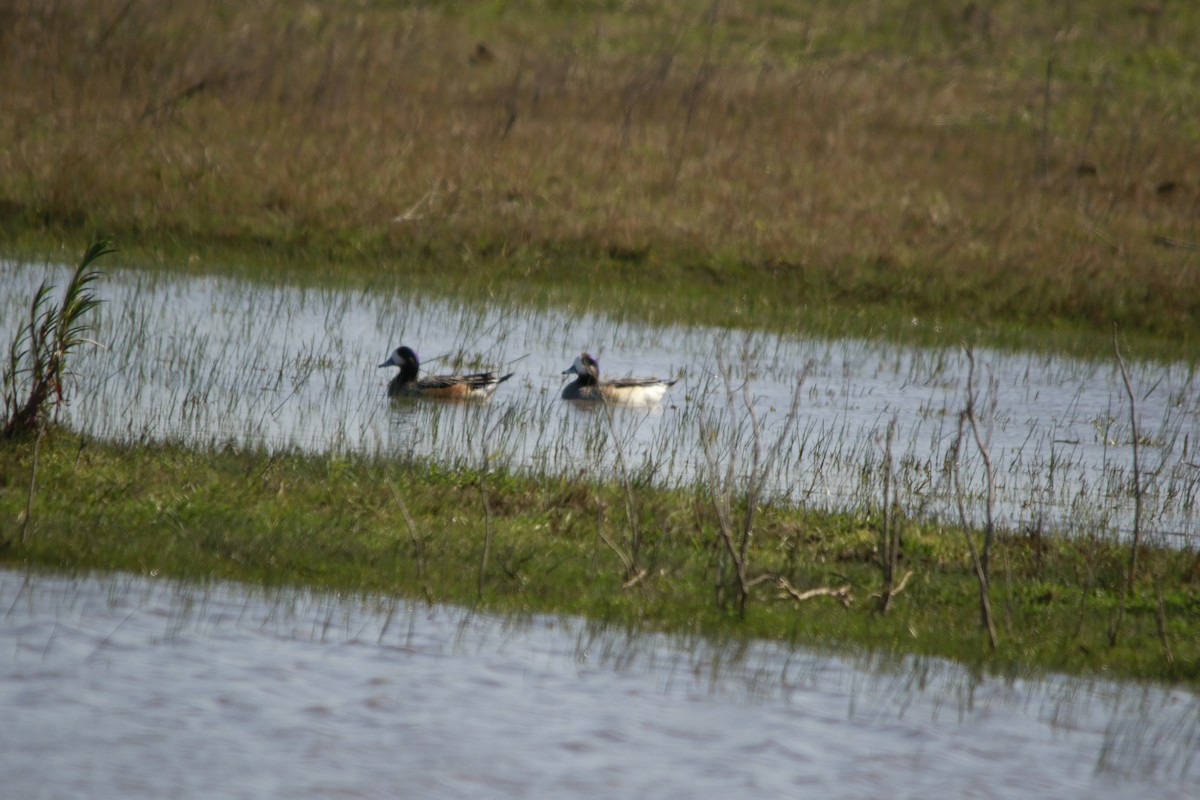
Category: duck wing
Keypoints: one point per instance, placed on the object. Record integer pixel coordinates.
(475, 380)
(638, 383)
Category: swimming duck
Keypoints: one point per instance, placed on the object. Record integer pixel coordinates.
(628, 391)
(475, 386)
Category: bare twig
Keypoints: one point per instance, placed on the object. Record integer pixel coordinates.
(979, 556)
(635, 536)
(487, 535)
(1128, 586)
(1137, 478)
(1160, 618)
(635, 580)
(695, 91)
(418, 542)
(735, 539)
(840, 592)
(889, 531)
(485, 496)
(37, 445)
(1043, 133)
(626, 561)
(411, 214)
(898, 588)
(169, 105)
(1178, 244)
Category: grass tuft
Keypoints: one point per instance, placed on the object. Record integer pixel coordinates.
(37, 366)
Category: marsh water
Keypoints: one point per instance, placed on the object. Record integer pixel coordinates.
(140, 688)
(130, 687)
(209, 359)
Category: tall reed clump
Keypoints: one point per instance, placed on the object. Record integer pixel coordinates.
(33, 379)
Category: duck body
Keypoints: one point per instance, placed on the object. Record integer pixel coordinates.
(626, 391)
(473, 386)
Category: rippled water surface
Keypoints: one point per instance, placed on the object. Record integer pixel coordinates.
(212, 359)
(131, 687)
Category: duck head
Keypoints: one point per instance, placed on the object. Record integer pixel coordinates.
(404, 358)
(586, 367)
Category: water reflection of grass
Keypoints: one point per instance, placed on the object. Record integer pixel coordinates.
(852, 706)
(332, 523)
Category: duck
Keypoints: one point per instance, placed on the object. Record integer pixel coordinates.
(626, 391)
(474, 386)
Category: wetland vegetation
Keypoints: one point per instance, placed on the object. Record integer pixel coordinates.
(1006, 173)
(511, 542)
(1013, 172)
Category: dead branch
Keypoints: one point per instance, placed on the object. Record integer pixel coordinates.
(736, 538)
(625, 560)
(889, 530)
(1128, 586)
(897, 589)
(766, 576)
(635, 580)
(978, 560)
(840, 592)
(1137, 478)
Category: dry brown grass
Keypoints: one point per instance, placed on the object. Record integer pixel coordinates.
(902, 152)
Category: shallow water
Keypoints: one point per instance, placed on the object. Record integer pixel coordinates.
(125, 686)
(211, 359)
(133, 687)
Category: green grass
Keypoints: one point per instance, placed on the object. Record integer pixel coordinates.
(334, 523)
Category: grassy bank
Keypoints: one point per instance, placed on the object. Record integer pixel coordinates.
(992, 168)
(509, 542)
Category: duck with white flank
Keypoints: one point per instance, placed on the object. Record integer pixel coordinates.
(475, 386)
(627, 391)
